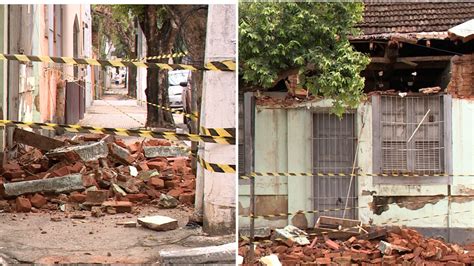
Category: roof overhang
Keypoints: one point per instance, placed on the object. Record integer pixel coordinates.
(405, 37)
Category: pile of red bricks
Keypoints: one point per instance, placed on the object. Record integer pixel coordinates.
(173, 177)
(406, 247)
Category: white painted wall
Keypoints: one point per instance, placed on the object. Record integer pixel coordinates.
(218, 111)
(141, 72)
(87, 20)
(283, 143)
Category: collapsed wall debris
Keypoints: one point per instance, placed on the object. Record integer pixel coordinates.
(379, 246)
(93, 172)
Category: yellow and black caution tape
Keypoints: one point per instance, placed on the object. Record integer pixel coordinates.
(216, 167)
(325, 174)
(166, 108)
(226, 65)
(223, 132)
(285, 214)
(327, 230)
(121, 132)
(163, 56)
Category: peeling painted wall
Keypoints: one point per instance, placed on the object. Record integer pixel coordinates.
(283, 143)
(39, 89)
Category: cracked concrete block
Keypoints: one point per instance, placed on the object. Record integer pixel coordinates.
(223, 254)
(61, 184)
(164, 151)
(167, 202)
(85, 152)
(292, 233)
(158, 223)
(120, 154)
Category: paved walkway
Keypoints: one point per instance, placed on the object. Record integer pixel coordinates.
(115, 110)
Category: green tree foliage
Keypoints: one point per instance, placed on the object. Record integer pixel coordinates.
(310, 38)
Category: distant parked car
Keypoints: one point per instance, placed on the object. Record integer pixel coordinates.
(177, 81)
(175, 96)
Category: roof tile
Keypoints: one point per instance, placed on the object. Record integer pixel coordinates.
(414, 17)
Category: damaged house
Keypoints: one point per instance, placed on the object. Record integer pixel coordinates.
(417, 121)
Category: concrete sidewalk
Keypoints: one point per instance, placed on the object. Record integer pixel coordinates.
(115, 110)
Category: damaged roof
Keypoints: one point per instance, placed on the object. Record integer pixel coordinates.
(413, 19)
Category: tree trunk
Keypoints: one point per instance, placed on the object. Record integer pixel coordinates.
(132, 82)
(192, 21)
(157, 80)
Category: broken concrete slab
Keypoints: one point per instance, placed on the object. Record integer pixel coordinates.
(61, 184)
(223, 254)
(292, 233)
(164, 151)
(120, 154)
(158, 223)
(270, 260)
(167, 202)
(387, 248)
(85, 152)
(36, 140)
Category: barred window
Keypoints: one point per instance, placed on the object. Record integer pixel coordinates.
(412, 134)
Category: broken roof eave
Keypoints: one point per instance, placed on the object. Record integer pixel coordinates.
(407, 37)
(464, 31)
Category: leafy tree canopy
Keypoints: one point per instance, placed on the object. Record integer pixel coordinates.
(311, 38)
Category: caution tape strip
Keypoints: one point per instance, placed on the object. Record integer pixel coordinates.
(212, 167)
(267, 241)
(163, 56)
(223, 132)
(166, 108)
(217, 167)
(321, 174)
(121, 132)
(226, 65)
(286, 214)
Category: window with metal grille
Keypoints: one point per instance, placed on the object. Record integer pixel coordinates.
(412, 137)
(334, 145)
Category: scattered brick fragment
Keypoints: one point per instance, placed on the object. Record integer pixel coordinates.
(38, 201)
(23, 204)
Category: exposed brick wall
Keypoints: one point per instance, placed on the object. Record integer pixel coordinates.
(462, 76)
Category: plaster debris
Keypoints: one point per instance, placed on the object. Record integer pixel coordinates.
(158, 223)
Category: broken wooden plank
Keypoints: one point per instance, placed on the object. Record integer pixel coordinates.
(36, 140)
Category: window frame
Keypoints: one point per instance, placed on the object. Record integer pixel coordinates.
(377, 147)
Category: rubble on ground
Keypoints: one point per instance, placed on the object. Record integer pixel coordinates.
(93, 172)
(380, 246)
(158, 223)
